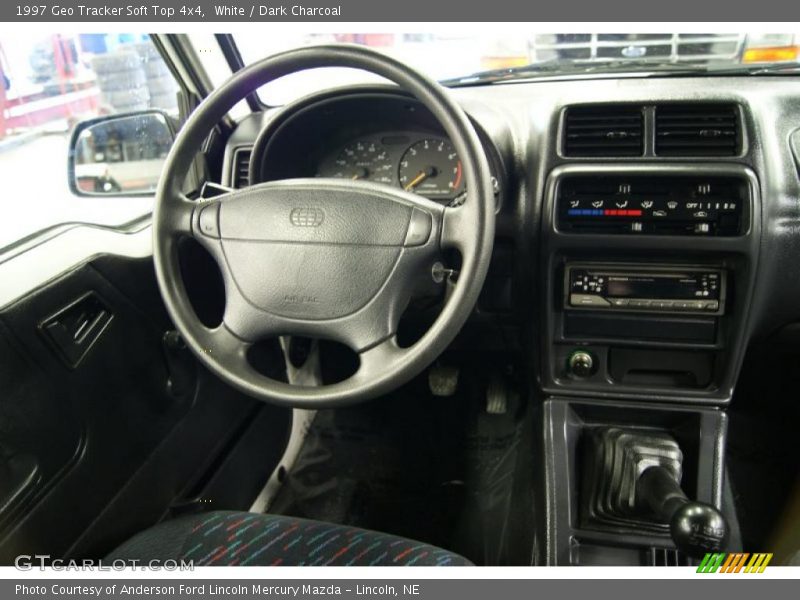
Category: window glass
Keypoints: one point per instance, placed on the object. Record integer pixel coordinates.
(467, 58)
(48, 85)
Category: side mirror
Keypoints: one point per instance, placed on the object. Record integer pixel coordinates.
(119, 155)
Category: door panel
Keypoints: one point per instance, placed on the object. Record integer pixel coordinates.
(39, 435)
(110, 449)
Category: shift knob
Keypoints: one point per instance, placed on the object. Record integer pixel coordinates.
(696, 527)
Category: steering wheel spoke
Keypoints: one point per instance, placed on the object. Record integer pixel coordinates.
(374, 360)
(457, 228)
(245, 321)
(222, 342)
(177, 215)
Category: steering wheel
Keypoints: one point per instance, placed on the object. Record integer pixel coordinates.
(322, 258)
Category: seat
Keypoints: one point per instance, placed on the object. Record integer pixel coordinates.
(239, 538)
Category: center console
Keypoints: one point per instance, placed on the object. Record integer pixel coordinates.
(649, 271)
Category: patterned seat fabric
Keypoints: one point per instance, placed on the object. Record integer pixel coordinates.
(237, 538)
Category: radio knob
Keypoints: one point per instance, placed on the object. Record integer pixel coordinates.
(581, 364)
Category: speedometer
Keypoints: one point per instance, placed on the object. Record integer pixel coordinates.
(431, 168)
(363, 159)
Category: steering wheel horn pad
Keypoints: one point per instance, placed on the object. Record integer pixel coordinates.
(325, 258)
(318, 257)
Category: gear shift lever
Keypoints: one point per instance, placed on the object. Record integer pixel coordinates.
(632, 478)
(695, 527)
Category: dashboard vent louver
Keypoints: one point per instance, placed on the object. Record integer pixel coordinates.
(603, 131)
(697, 130)
(241, 167)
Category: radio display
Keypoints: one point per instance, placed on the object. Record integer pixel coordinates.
(648, 286)
(652, 290)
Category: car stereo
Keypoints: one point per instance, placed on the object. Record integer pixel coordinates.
(647, 289)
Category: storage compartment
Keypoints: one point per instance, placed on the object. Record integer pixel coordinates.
(582, 325)
(660, 367)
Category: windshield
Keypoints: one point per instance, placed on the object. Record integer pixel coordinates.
(478, 59)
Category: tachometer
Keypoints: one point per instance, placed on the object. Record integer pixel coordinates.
(363, 159)
(431, 168)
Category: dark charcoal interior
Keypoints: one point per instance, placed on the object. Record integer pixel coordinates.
(641, 296)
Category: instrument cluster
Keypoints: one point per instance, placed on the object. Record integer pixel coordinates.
(421, 163)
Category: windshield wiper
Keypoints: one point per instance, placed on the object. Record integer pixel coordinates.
(643, 69)
(560, 68)
(493, 75)
(786, 68)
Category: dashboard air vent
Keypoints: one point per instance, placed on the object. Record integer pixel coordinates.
(697, 130)
(603, 131)
(241, 167)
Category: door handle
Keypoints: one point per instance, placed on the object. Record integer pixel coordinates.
(74, 329)
(86, 323)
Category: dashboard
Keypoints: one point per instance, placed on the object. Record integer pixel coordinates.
(647, 235)
(648, 179)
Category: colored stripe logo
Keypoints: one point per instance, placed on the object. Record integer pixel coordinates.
(735, 562)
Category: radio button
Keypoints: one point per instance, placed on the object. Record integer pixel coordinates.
(620, 301)
(712, 305)
(588, 300)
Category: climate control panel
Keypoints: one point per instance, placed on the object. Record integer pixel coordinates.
(682, 205)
